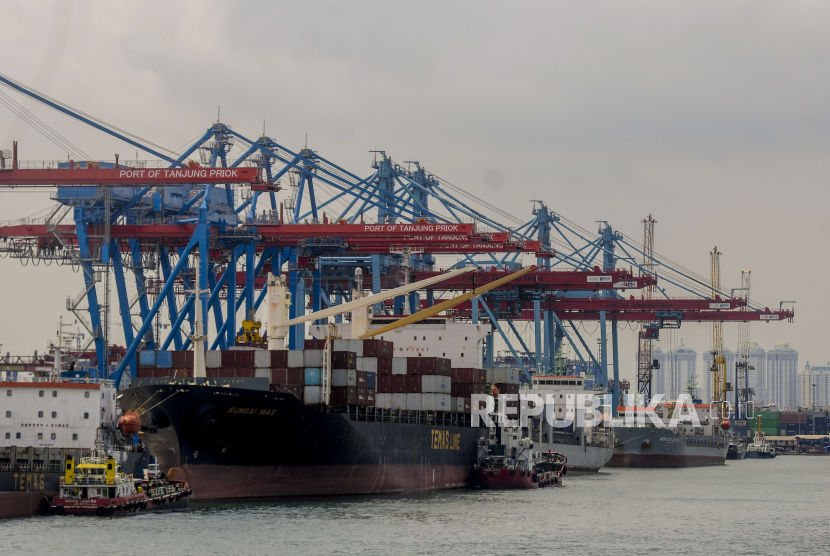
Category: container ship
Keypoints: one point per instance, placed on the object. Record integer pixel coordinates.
(683, 446)
(399, 417)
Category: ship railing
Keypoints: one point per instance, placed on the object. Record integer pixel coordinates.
(5, 466)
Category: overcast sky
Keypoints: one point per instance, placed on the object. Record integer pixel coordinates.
(711, 116)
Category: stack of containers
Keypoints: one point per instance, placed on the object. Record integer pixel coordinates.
(163, 364)
(416, 384)
(284, 377)
(465, 383)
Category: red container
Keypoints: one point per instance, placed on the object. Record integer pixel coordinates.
(479, 376)
(377, 348)
(384, 383)
(183, 359)
(465, 390)
(344, 395)
(427, 365)
(384, 365)
(278, 376)
(412, 383)
(361, 379)
(462, 376)
(228, 358)
(212, 373)
(145, 372)
(413, 365)
(507, 388)
(443, 366)
(245, 373)
(244, 359)
(295, 376)
(793, 418)
(370, 396)
(398, 383)
(279, 359)
(314, 344)
(362, 398)
(343, 360)
(297, 391)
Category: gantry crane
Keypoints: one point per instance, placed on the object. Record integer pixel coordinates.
(718, 360)
(743, 393)
(647, 332)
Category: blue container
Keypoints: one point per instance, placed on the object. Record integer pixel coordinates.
(371, 380)
(164, 359)
(313, 376)
(146, 358)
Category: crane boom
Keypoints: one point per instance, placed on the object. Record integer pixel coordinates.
(718, 359)
(449, 304)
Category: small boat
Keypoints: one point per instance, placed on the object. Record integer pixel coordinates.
(96, 487)
(736, 451)
(759, 448)
(550, 469)
(510, 465)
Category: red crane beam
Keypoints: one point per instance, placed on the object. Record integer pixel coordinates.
(129, 177)
(545, 280)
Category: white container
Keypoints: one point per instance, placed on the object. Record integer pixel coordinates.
(399, 365)
(262, 373)
(313, 394)
(399, 401)
(413, 402)
(341, 345)
(296, 359)
(435, 402)
(444, 402)
(213, 359)
(356, 346)
(262, 359)
(459, 405)
(435, 383)
(384, 400)
(313, 358)
(368, 364)
(344, 377)
(453, 405)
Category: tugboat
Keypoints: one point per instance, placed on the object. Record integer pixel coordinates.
(96, 487)
(511, 465)
(736, 450)
(759, 448)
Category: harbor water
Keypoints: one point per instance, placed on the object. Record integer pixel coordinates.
(745, 507)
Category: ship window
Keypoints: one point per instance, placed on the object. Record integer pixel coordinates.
(8, 392)
(8, 414)
(579, 383)
(75, 436)
(40, 414)
(54, 393)
(462, 355)
(465, 338)
(54, 414)
(54, 436)
(8, 435)
(86, 415)
(40, 393)
(439, 338)
(414, 337)
(443, 355)
(17, 436)
(40, 436)
(86, 394)
(556, 382)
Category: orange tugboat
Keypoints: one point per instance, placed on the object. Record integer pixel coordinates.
(511, 465)
(95, 487)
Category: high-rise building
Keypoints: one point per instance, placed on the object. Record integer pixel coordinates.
(781, 376)
(756, 373)
(708, 384)
(814, 386)
(678, 369)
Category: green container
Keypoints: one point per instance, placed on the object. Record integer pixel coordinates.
(770, 422)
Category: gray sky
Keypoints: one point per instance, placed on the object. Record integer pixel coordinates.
(711, 116)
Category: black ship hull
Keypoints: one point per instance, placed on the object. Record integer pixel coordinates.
(238, 443)
(26, 494)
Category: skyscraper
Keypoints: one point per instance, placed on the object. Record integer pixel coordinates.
(756, 373)
(781, 376)
(678, 368)
(814, 386)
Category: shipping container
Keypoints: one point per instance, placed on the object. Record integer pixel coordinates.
(368, 364)
(313, 394)
(262, 373)
(413, 402)
(296, 360)
(371, 381)
(313, 358)
(362, 398)
(164, 359)
(182, 359)
(341, 345)
(361, 379)
(213, 359)
(385, 365)
(295, 376)
(793, 418)
(412, 384)
(413, 366)
(356, 346)
(398, 400)
(279, 359)
(245, 358)
(245, 372)
(344, 377)
(398, 383)
(145, 372)
(400, 365)
(343, 360)
(438, 384)
(344, 395)
(262, 359)
(467, 390)
(435, 402)
(384, 400)
(315, 344)
(507, 388)
(313, 376)
(462, 375)
(228, 358)
(453, 405)
(384, 384)
(146, 358)
(370, 397)
(279, 376)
